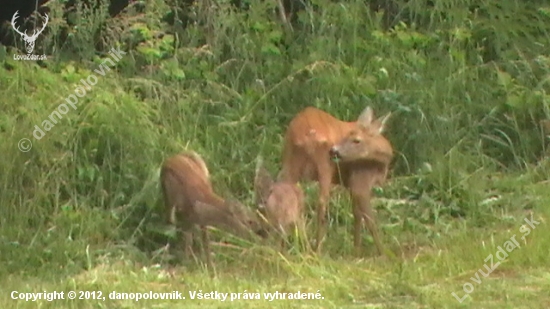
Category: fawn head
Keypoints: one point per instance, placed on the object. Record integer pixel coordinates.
(363, 140)
(235, 217)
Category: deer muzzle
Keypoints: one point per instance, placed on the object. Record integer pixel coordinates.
(334, 153)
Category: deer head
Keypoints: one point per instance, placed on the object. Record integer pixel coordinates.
(365, 140)
(29, 40)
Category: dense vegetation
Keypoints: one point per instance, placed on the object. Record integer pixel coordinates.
(468, 83)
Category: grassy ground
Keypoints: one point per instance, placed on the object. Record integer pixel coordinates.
(80, 209)
(428, 269)
(74, 247)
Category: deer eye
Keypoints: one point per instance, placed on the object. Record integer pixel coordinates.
(356, 141)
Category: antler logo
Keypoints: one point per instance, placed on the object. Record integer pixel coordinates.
(29, 40)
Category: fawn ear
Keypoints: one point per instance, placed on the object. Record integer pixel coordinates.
(366, 117)
(262, 181)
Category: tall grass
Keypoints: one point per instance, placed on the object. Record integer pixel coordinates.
(467, 91)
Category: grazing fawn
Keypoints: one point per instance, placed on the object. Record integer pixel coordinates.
(314, 138)
(281, 203)
(191, 201)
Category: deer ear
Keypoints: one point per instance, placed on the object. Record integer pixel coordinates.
(366, 117)
(383, 121)
(262, 181)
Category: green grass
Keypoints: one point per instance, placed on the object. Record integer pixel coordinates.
(81, 210)
(424, 276)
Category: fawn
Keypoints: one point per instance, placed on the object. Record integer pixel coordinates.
(191, 201)
(282, 203)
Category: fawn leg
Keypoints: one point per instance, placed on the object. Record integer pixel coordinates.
(206, 246)
(188, 243)
(282, 244)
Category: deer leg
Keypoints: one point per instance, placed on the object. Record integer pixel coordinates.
(357, 225)
(370, 221)
(188, 245)
(283, 238)
(325, 181)
(302, 234)
(282, 244)
(294, 164)
(206, 246)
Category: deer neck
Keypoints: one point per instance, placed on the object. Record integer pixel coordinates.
(217, 214)
(361, 179)
(213, 211)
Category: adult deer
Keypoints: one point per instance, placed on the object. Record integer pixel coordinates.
(191, 201)
(313, 137)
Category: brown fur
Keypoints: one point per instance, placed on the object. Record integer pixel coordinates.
(310, 139)
(191, 201)
(281, 202)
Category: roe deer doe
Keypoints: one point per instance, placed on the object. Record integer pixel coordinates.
(191, 201)
(282, 203)
(314, 137)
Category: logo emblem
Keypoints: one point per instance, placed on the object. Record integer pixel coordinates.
(29, 40)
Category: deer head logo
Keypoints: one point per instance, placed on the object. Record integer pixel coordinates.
(29, 40)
